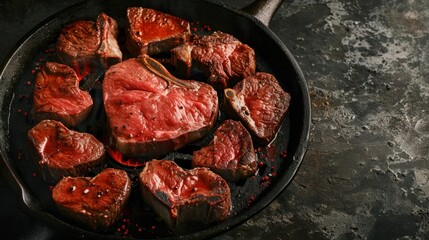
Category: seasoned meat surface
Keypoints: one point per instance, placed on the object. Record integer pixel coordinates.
(230, 154)
(181, 197)
(96, 202)
(150, 115)
(57, 95)
(87, 42)
(151, 31)
(222, 57)
(63, 152)
(260, 103)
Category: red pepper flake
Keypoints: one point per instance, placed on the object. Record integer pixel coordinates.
(51, 187)
(153, 227)
(274, 174)
(28, 82)
(123, 227)
(273, 168)
(140, 229)
(25, 114)
(260, 164)
(283, 154)
(33, 71)
(34, 174)
(195, 29)
(119, 230)
(19, 110)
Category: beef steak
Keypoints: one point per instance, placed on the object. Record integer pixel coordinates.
(230, 154)
(87, 42)
(181, 197)
(220, 56)
(94, 202)
(260, 103)
(151, 31)
(57, 95)
(151, 114)
(64, 152)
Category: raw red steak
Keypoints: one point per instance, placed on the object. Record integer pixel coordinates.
(57, 95)
(88, 42)
(150, 114)
(64, 152)
(151, 31)
(230, 154)
(181, 197)
(96, 203)
(222, 57)
(260, 103)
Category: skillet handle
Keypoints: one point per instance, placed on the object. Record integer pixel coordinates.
(263, 10)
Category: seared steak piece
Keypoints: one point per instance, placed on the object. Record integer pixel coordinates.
(222, 57)
(230, 154)
(181, 197)
(57, 95)
(151, 31)
(88, 42)
(150, 113)
(260, 103)
(64, 152)
(95, 203)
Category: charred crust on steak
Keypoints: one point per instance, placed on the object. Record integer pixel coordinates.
(200, 195)
(230, 153)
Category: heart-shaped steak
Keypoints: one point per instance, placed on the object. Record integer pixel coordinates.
(180, 197)
(57, 95)
(150, 113)
(64, 152)
(96, 203)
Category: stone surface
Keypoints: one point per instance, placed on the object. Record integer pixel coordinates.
(366, 172)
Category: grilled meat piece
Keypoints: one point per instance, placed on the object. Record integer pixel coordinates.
(230, 154)
(181, 197)
(151, 31)
(221, 57)
(88, 42)
(260, 103)
(64, 152)
(150, 113)
(93, 202)
(57, 95)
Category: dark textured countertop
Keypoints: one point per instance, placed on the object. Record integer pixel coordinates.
(366, 172)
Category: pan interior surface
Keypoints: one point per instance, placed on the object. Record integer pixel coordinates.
(281, 158)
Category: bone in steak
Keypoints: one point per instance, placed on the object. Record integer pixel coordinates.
(57, 95)
(181, 197)
(151, 31)
(64, 152)
(230, 154)
(95, 203)
(150, 114)
(260, 103)
(88, 42)
(221, 57)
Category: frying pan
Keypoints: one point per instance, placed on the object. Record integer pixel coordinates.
(282, 157)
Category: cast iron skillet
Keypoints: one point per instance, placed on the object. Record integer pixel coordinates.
(282, 158)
